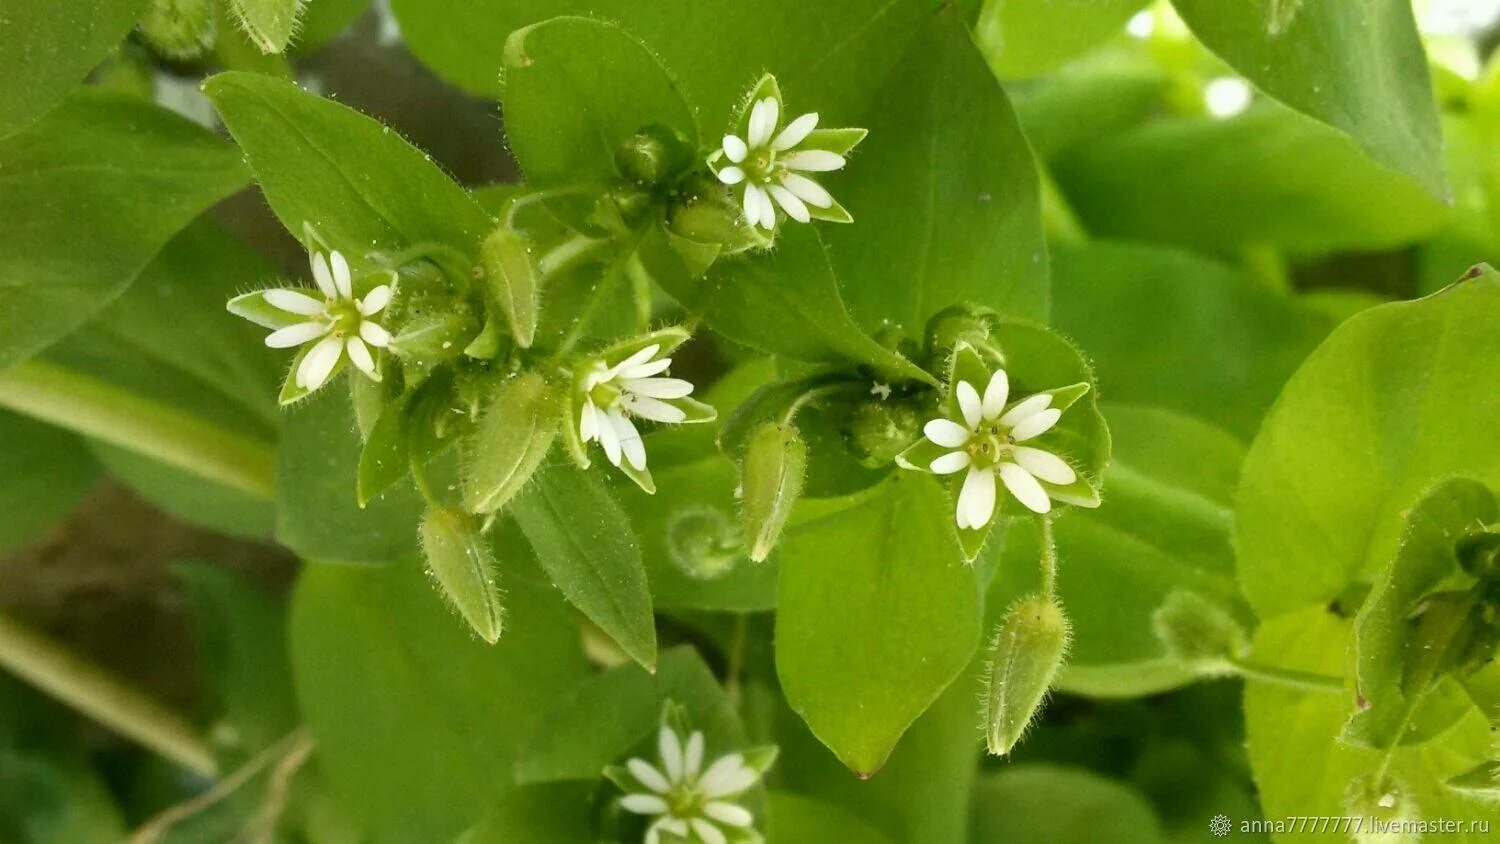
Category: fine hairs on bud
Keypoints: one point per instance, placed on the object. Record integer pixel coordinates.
(1029, 648)
(1198, 633)
(461, 563)
(179, 29)
(771, 479)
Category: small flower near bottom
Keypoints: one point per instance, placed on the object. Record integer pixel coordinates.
(688, 801)
(987, 441)
(330, 324)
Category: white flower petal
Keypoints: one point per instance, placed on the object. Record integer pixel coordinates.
(649, 776)
(976, 500)
(588, 425)
(296, 335)
(996, 394)
(732, 175)
(754, 196)
(341, 277)
(708, 833)
(294, 302)
(653, 835)
(795, 132)
(718, 774)
(630, 441)
(376, 300)
(735, 148)
(658, 388)
(643, 804)
(1023, 409)
(946, 433)
(1025, 488)
(319, 363)
(1035, 425)
(953, 461)
(741, 779)
(670, 748)
(692, 755)
(596, 375)
(654, 409)
(359, 355)
(969, 404)
(374, 334)
(807, 190)
(323, 276)
(767, 212)
(812, 161)
(644, 370)
(790, 203)
(1045, 465)
(763, 119)
(728, 813)
(676, 826)
(608, 436)
(639, 357)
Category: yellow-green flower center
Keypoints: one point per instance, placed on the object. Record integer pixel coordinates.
(989, 445)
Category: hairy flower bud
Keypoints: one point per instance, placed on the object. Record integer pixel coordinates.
(460, 561)
(1024, 658)
(708, 216)
(653, 156)
(510, 282)
(179, 29)
(771, 478)
(961, 325)
(514, 432)
(1198, 633)
(883, 429)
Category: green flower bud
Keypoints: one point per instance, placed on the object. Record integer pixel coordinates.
(461, 563)
(1381, 808)
(883, 429)
(709, 216)
(514, 433)
(654, 156)
(434, 329)
(1024, 658)
(771, 480)
(1479, 553)
(510, 282)
(1198, 633)
(1451, 634)
(704, 542)
(179, 29)
(961, 324)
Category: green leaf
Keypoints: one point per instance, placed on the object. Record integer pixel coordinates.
(1050, 802)
(877, 615)
(418, 723)
(355, 181)
(512, 437)
(46, 471)
(1394, 399)
(510, 279)
(536, 814)
(584, 542)
(796, 282)
(461, 562)
(93, 191)
(318, 514)
(575, 90)
(944, 195)
(798, 819)
(1022, 39)
(1087, 101)
(1167, 328)
(1359, 67)
(1268, 176)
(49, 47)
(269, 23)
(1165, 525)
(1385, 643)
(613, 712)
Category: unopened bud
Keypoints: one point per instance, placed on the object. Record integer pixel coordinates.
(179, 29)
(461, 563)
(434, 329)
(708, 216)
(883, 429)
(771, 479)
(1198, 633)
(653, 156)
(514, 433)
(1028, 650)
(960, 325)
(510, 282)
(1384, 808)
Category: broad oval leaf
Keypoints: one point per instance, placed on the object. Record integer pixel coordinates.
(49, 47)
(1050, 802)
(1022, 38)
(1397, 397)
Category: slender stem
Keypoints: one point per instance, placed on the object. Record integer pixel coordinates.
(813, 395)
(517, 203)
(611, 273)
(640, 282)
(567, 254)
(736, 659)
(53, 668)
(1049, 560)
(1305, 680)
(105, 412)
(1059, 221)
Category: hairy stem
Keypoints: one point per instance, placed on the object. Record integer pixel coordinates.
(1049, 560)
(59, 672)
(107, 413)
(1304, 680)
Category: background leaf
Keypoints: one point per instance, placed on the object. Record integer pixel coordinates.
(1061, 805)
(1021, 39)
(47, 472)
(49, 47)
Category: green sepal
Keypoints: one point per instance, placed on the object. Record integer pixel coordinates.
(838, 141)
(254, 307)
(668, 338)
(463, 565)
(509, 441)
(572, 410)
(971, 540)
(766, 86)
(642, 477)
(696, 411)
(919, 455)
(965, 365)
(385, 459)
(760, 759)
(834, 213)
(1064, 397)
(697, 256)
(624, 780)
(290, 392)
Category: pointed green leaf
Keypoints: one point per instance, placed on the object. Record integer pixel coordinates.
(269, 23)
(50, 47)
(463, 565)
(514, 434)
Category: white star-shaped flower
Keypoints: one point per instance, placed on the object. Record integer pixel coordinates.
(331, 322)
(687, 800)
(613, 394)
(987, 442)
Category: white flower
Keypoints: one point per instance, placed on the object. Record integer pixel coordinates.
(687, 800)
(335, 323)
(612, 395)
(987, 441)
(770, 167)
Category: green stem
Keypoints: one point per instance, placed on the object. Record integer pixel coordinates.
(1059, 221)
(568, 254)
(611, 273)
(736, 659)
(1049, 561)
(107, 413)
(1304, 680)
(91, 690)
